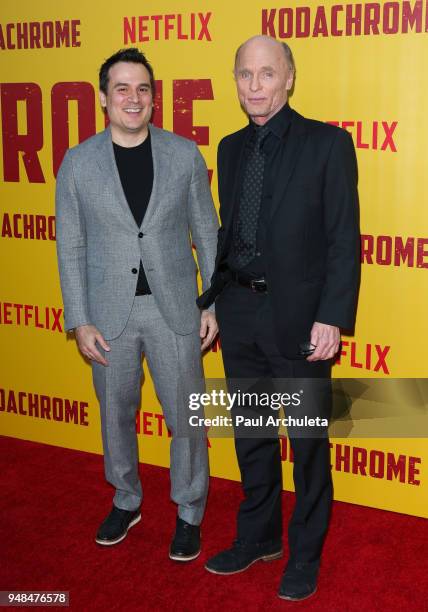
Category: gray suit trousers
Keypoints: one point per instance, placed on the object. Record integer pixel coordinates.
(175, 365)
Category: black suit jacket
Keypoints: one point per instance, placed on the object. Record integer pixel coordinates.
(313, 242)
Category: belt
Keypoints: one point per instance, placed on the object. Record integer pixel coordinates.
(257, 285)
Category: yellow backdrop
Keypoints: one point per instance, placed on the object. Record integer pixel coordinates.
(359, 65)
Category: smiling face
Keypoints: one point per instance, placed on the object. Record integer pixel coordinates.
(129, 102)
(263, 78)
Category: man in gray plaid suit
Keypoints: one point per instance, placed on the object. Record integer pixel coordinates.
(129, 203)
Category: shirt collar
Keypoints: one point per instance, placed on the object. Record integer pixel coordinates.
(279, 123)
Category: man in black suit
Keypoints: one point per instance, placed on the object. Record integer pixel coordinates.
(285, 283)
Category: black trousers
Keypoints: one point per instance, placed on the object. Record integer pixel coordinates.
(250, 352)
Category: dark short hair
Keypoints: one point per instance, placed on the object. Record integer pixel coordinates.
(132, 55)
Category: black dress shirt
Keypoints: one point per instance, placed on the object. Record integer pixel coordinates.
(273, 147)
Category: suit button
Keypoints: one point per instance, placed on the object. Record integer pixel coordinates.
(140, 235)
(134, 270)
(258, 254)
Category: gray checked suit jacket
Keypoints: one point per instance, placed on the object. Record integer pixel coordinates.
(98, 241)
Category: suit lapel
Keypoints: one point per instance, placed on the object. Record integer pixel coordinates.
(107, 163)
(161, 174)
(234, 175)
(295, 139)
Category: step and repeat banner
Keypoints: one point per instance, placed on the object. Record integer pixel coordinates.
(359, 65)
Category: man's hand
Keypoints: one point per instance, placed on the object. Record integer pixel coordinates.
(87, 336)
(326, 338)
(209, 328)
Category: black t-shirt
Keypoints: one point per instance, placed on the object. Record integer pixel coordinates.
(135, 166)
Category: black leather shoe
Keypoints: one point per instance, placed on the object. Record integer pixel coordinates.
(299, 581)
(115, 527)
(186, 544)
(242, 555)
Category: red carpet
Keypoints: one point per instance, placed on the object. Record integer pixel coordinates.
(53, 499)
